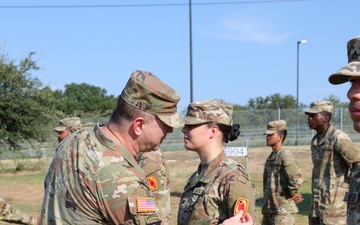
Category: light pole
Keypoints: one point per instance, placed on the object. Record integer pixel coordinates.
(297, 91)
(191, 63)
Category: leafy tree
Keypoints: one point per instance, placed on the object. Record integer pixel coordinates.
(336, 101)
(81, 99)
(273, 102)
(339, 110)
(25, 104)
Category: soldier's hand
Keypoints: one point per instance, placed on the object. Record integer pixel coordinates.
(247, 220)
(297, 198)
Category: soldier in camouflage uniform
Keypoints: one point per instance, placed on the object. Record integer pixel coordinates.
(153, 163)
(220, 184)
(351, 72)
(66, 127)
(94, 177)
(334, 156)
(282, 179)
(11, 214)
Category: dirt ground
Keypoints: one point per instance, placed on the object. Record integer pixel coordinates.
(25, 189)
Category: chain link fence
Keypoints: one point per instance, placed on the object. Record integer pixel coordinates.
(252, 126)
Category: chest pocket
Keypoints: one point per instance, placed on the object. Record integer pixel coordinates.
(191, 201)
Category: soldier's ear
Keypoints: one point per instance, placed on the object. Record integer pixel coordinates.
(138, 125)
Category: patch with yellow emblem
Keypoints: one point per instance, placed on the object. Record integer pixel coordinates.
(153, 183)
(241, 204)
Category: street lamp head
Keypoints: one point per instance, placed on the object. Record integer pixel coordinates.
(302, 42)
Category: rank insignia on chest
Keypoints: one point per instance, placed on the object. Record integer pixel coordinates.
(241, 204)
(153, 183)
(199, 191)
(145, 205)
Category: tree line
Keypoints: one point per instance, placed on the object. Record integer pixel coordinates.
(29, 109)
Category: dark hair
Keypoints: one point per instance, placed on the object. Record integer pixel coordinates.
(125, 113)
(328, 114)
(283, 133)
(230, 133)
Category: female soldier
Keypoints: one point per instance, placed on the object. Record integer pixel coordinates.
(220, 186)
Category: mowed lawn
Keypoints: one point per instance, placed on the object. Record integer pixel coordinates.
(24, 189)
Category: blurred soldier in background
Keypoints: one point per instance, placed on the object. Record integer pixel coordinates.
(66, 127)
(282, 179)
(11, 214)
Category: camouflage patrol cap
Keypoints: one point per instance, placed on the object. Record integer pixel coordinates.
(353, 66)
(274, 126)
(148, 93)
(71, 122)
(320, 106)
(209, 111)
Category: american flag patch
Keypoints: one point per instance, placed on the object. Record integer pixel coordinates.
(145, 205)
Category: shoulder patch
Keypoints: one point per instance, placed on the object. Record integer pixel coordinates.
(241, 204)
(153, 183)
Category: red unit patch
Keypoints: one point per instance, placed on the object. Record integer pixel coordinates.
(152, 182)
(241, 204)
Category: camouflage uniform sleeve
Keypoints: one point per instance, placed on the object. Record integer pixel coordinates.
(117, 195)
(349, 151)
(156, 169)
(234, 186)
(11, 214)
(292, 173)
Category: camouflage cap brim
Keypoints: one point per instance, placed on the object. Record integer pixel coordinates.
(174, 121)
(313, 111)
(194, 121)
(269, 132)
(59, 128)
(342, 75)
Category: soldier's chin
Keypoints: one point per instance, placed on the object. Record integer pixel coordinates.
(357, 126)
(155, 148)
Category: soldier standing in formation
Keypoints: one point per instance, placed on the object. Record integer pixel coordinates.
(282, 179)
(334, 156)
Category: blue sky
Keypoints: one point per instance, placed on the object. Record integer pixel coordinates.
(240, 51)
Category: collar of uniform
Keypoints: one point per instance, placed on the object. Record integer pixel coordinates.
(320, 139)
(205, 176)
(115, 146)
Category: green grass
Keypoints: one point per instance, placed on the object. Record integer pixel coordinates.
(24, 189)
